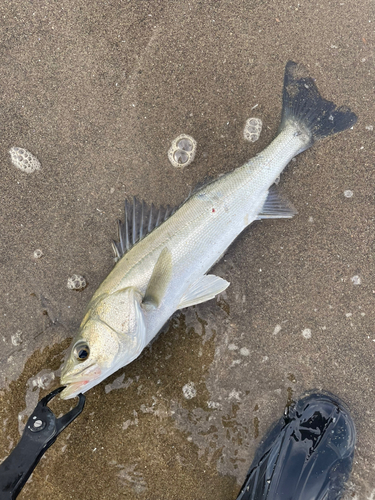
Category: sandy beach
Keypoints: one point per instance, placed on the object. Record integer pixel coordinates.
(97, 91)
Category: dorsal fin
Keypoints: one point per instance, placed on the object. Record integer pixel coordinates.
(139, 221)
(276, 206)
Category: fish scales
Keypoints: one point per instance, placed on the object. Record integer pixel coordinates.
(201, 230)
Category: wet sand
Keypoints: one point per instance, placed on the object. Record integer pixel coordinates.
(97, 91)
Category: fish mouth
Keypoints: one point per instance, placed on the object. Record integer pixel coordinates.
(66, 379)
(73, 389)
(74, 386)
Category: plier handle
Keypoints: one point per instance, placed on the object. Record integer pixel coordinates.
(41, 431)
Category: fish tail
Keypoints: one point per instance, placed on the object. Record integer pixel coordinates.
(303, 105)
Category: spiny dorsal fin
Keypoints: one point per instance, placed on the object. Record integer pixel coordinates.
(139, 221)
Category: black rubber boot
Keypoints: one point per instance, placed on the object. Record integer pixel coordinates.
(307, 455)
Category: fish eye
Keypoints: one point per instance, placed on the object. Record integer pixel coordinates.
(81, 351)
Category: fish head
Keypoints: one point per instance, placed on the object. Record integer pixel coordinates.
(92, 356)
(112, 335)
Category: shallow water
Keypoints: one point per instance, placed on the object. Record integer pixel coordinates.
(97, 92)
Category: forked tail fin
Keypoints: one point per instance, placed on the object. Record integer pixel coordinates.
(303, 104)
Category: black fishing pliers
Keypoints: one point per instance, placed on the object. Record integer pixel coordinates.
(40, 432)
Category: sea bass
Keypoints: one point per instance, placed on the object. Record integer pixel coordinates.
(163, 267)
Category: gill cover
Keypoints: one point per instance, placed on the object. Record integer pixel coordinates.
(121, 312)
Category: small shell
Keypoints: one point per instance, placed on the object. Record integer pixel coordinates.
(182, 151)
(43, 379)
(76, 282)
(17, 338)
(38, 253)
(252, 130)
(189, 390)
(24, 160)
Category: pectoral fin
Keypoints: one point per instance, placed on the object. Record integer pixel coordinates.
(204, 289)
(140, 333)
(160, 278)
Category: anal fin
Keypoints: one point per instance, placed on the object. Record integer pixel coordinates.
(205, 288)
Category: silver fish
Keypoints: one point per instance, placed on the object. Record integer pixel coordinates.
(162, 266)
